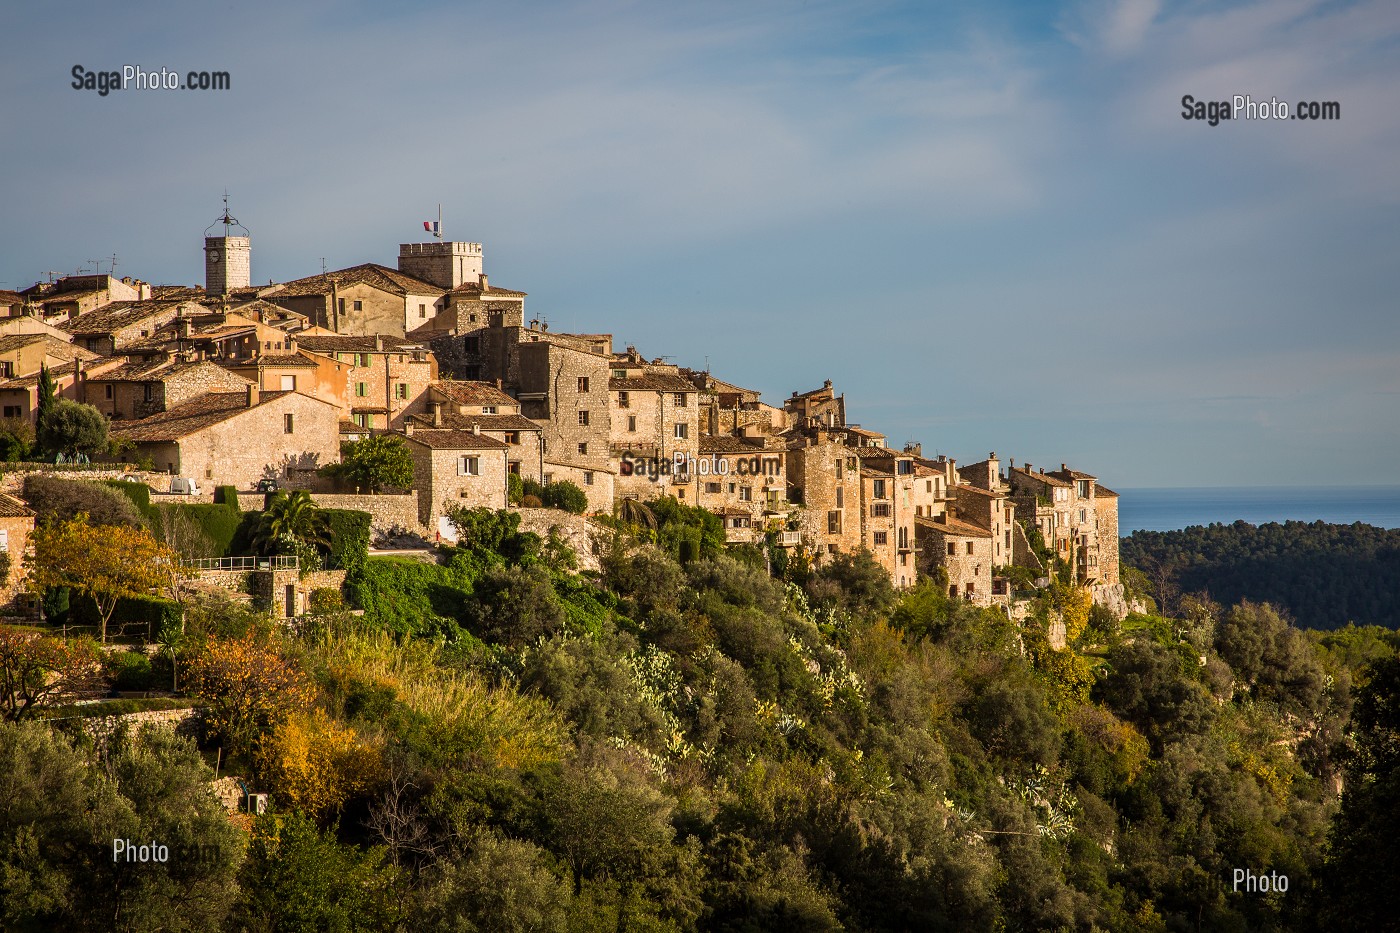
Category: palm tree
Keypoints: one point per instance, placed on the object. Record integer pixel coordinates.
(291, 519)
(633, 512)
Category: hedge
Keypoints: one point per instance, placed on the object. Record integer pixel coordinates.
(226, 495)
(138, 493)
(220, 523)
(349, 540)
(150, 612)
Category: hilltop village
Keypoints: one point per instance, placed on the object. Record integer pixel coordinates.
(234, 384)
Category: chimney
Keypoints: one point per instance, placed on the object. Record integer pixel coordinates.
(408, 427)
(437, 414)
(378, 342)
(1027, 467)
(476, 428)
(1063, 468)
(484, 284)
(498, 383)
(291, 343)
(254, 395)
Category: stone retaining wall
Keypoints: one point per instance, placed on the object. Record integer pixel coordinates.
(385, 510)
(587, 538)
(180, 721)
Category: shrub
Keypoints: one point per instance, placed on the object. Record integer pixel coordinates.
(410, 597)
(129, 670)
(349, 540)
(226, 495)
(143, 614)
(531, 502)
(515, 490)
(72, 428)
(567, 496)
(59, 500)
(219, 523)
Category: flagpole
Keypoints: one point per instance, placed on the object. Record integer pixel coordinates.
(439, 226)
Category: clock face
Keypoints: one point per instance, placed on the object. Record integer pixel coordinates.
(214, 255)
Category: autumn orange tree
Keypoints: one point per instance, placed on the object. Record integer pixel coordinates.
(36, 669)
(317, 764)
(107, 562)
(250, 686)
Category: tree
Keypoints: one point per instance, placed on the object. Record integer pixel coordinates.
(71, 428)
(47, 390)
(36, 669)
(108, 563)
(316, 764)
(249, 686)
(16, 438)
(374, 462)
(567, 496)
(291, 522)
(63, 499)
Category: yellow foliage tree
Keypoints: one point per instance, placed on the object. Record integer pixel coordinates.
(108, 562)
(250, 686)
(1073, 604)
(317, 764)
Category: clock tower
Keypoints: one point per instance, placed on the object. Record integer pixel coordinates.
(227, 258)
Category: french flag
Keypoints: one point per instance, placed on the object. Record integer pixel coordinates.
(431, 226)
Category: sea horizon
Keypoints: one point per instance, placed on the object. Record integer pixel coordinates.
(1171, 508)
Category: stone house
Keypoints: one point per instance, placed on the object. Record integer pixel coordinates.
(11, 303)
(819, 408)
(598, 481)
(16, 525)
(964, 551)
(747, 475)
(19, 397)
(525, 456)
(565, 390)
(1106, 507)
(654, 417)
(728, 409)
(456, 468)
(22, 354)
(385, 379)
(824, 479)
(364, 300)
(121, 324)
(142, 387)
(75, 295)
(887, 501)
(238, 438)
(220, 335)
(1082, 533)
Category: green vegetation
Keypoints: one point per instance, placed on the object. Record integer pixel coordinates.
(72, 429)
(557, 495)
(374, 462)
(1324, 575)
(681, 742)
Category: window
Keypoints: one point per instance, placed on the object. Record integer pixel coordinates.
(1083, 488)
(969, 547)
(970, 590)
(732, 487)
(288, 423)
(681, 432)
(91, 343)
(468, 466)
(679, 398)
(588, 477)
(14, 411)
(402, 390)
(512, 437)
(107, 393)
(952, 549)
(583, 418)
(359, 306)
(623, 400)
(583, 449)
(488, 409)
(340, 305)
(619, 374)
(582, 384)
(4, 540)
(840, 467)
(878, 488)
(745, 494)
(880, 510)
(361, 389)
(422, 311)
(631, 422)
(833, 523)
(881, 538)
(361, 419)
(289, 383)
(1083, 516)
(364, 357)
(928, 485)
(840, 497)
(472, 344)
(712, 487)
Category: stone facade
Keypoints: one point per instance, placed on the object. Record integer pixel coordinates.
(385, 379)
(599, 484)
(565, 390)
(227, 263)
(16, 525)
(140, 389)
(964, 551)
(654, 417)
(1066, 506)
(456, 468)
(238, 438)
(385, 511)
(587, 538)
(743, 477)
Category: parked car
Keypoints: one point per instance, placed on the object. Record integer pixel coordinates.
(267, 485)
(184, 485)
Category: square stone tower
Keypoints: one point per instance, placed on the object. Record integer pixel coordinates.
(227, 263)
(446, 265)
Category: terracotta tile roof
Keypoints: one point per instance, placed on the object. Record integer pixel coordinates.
(474, 289)
(472, 393)
(1103, 492)
(650, 382)
(10, 507)
(76, 295)
(449, 439)
(8, 297)
(372, 274)
(191, 417)
(187, 292)
(340, 343)
(1049, 479)
(715, 444)
(100, 365)
(977, 491)
(451, 419)
(52, 346)
(1072, 475)
(952, 526)
(279, 360)
(121, 314)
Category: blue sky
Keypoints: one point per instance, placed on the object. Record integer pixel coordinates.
(988, 224)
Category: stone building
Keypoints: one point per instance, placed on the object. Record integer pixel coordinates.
(364, 300)
(483, 408)
(964, 551)
(598, 481)
(75, 295)
(456, 468)
(238, 438)
(565, 389)
(16, 525)
(888, 481)
(19, 397)
(121, 324)
(1065, 508)
(1106, 507)
(22, 354)
(293, 370)
(745, 475)
(819, 408)
(385, 379)
(143, 387)
(654, 419)
(824, 479)
(729, 410)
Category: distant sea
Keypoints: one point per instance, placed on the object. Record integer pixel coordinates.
(1171, 509)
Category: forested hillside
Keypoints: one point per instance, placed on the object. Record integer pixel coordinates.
(682, 742)
(1324, 575)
